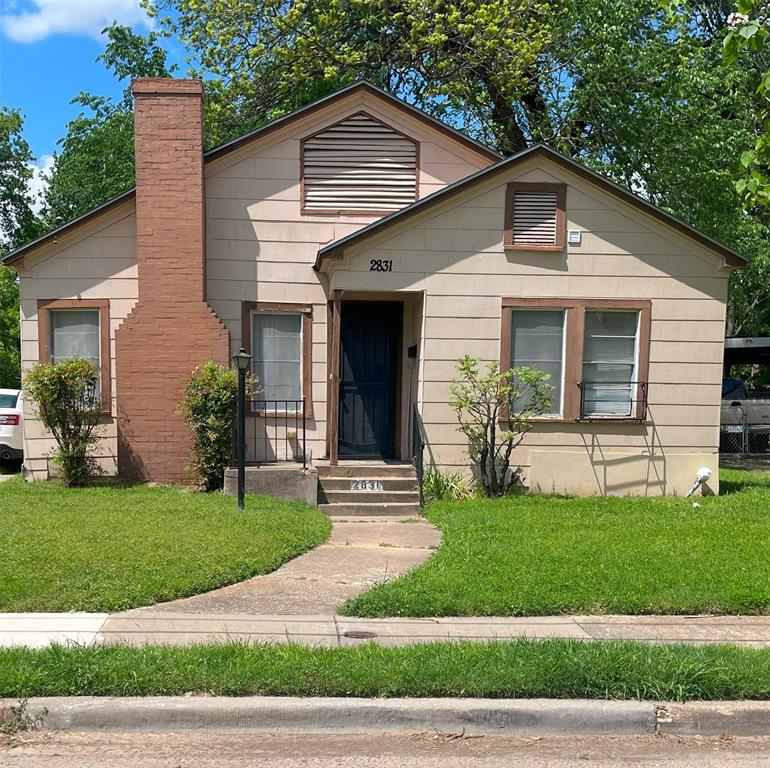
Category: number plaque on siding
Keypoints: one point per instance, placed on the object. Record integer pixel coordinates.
(359, 165)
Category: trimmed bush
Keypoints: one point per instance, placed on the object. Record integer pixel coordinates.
(209, 405)
(69, 404)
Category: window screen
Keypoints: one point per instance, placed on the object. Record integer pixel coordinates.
(609, 363)
(276, 341)
(537, 341)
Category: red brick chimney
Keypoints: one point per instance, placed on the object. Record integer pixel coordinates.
(171, 329)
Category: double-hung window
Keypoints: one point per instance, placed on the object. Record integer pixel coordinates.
(537, 341)
(595, 352)
(280, 347)
(77, 328)
(610, 358)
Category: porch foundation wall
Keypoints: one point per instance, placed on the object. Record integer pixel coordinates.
(283, 482)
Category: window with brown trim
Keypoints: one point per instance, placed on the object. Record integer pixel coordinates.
(77, 328)
(535, 216)
(596, 352)
(278, 336)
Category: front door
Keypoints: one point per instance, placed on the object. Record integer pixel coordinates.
(370, 339)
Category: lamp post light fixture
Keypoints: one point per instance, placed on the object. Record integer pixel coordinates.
(242, 362)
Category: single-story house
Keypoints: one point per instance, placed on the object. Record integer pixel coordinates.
(357, 248)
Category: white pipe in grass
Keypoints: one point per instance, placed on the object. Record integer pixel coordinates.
(703, 476)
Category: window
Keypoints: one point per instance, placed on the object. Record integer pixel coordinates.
(8, 400)
(535, 216)
(537, 341)
(278, 338)
(359, 165)
(74, 333)
(609, 362)
(595, 350)
(77, 328)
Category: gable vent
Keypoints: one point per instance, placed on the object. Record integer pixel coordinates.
(534, 218)
(359, 165)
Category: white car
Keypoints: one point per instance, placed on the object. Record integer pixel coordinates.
(11, 420)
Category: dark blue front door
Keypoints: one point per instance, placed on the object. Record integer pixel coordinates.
(370, 336)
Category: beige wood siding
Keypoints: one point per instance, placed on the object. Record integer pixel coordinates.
(359, 164)
(454, 254)
(95, 263)
(261, 248)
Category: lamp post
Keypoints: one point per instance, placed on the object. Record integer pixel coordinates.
(242, 361)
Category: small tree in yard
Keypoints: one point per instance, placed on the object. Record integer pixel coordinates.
(494, 409)
(208, 406)
(69, 404)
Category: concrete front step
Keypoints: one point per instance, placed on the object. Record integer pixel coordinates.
(378, 497)
(366, 471)
(371, 509)
(386, 483)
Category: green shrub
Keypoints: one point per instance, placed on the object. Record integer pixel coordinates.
(446, 486)
(494, 409)
(68, 404)
(208, 405)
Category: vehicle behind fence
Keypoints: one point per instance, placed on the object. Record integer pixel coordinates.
(745, 420)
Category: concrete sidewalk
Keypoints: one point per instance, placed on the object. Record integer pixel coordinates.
(328, 630)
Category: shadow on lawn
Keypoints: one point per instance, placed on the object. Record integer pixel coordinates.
(736, 481)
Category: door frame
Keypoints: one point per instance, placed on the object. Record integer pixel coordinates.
(334, 321)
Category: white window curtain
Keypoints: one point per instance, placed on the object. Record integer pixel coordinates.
(74, 333)
(609, 363)
(276, 341)
(537, 341)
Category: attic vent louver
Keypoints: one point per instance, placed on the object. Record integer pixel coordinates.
(535, 216)
(358, 166)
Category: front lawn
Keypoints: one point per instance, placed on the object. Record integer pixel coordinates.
(110, 548)
(542, 555)
(517, 669)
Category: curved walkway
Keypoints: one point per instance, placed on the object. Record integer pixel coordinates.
(360, 553)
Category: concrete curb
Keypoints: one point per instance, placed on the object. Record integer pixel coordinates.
(530, 717)
(341, 715)
(715, 718)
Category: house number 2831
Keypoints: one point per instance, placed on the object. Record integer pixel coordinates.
(381, 265)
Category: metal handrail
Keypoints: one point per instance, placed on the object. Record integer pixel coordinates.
(418, 442)
(278, 421)
(636, 402)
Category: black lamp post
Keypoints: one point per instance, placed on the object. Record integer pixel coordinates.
(242, 362)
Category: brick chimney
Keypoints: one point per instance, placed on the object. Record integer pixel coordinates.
(171, 329)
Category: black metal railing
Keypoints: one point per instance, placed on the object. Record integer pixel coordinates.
(276, 430)
(613, 400)
(417, 450)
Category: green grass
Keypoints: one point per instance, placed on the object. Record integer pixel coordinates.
(518, 669)
(541, 555)
(110, 548)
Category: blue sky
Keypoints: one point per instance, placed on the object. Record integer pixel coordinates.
(48, 51)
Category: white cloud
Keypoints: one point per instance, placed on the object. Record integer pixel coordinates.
(38, 182)
(43, 18)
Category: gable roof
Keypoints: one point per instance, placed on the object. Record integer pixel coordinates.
(335, 249)
(15, 256)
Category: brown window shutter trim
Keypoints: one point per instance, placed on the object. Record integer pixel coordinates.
(306, 310)
(44, 329)
(573, 361)
(560, 190)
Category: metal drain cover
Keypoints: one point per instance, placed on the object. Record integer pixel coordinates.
(359, 634)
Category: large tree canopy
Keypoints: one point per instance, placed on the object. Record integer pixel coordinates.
(640, 90)
(96, 160)
(18, 224)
